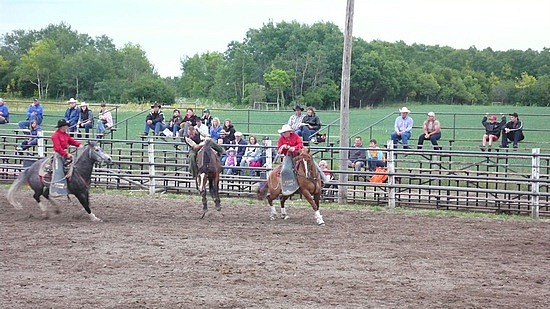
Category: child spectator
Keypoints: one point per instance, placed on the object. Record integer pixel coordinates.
(375, 157)
(230, 161)
(492, 130)
(34, 129)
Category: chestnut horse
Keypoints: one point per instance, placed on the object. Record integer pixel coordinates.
(309, 182)
(208, 170)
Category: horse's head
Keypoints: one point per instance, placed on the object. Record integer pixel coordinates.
(97, 154)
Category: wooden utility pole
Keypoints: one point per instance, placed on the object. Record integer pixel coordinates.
(344, 102)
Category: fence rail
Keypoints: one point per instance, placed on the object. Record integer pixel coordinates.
(505, 181)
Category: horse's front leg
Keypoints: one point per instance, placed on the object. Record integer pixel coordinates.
(314, 202)
(84, 199)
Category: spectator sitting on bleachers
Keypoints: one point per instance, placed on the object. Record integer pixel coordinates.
(206, 118)
(85, 119)
(104, 120)
(252, 156)
(215, 130)
(202, 129)
(154, 120)
(492, 130)
(358, 155)
(228, 132)
(375, 157)
(230, 161)
(34, 112)
(190, 119)
(431, 129)
(4, 112)
(295, 121)
(402, 128)
(310, 125)
(513, 131)
(175, 122)
(72, 113)
(34, 129)
(239, 144)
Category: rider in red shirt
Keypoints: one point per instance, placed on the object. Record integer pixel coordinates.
(62, 140)
(289, 143)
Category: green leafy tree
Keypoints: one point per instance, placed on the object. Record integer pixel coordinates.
(279, 80)
(39, 65)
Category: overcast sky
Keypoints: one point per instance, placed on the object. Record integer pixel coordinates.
(168, 30)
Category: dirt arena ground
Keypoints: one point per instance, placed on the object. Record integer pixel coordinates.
(156, 252)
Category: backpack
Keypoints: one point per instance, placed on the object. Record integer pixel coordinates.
(379, 178)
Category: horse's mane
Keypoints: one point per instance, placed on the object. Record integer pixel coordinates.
(304, 155)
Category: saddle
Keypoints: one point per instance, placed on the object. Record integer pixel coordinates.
(46, 169)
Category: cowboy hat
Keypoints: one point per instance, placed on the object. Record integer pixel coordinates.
(238, 133)
(83, 104)
(431, 114)
(72, 100)
(61, 123)
(156, 105)
(404, 110)
(298, 107)
(285, 128)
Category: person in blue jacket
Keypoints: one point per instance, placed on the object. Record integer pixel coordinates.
(71, 115)
(4, 112)
(34, 112)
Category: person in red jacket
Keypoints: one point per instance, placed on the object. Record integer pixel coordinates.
(289, 143)
(62, 140)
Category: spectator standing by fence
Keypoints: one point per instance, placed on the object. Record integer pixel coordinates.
(4, 112)
(431, 129)
(492, 130)
(402, 128)
(34, 112)
(104, 120)
(513, 131)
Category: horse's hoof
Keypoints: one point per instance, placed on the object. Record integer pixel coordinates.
(321, 223)
(272, 218)
(285, 217)
(218, 208)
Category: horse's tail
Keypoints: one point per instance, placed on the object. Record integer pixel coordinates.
(20, 181)
(261, 192)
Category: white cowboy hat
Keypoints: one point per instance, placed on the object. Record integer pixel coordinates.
(404, 110)
(431, 114)
(72, 100)
(83, 104)
(285, 128)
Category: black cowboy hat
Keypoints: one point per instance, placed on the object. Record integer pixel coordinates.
(298, 107)
(61, 123)
(156, 105)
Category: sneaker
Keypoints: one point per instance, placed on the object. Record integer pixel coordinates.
(18, 148)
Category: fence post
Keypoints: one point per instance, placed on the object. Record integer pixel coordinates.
(151, 153)
(391, 177)
(535, 176)
(40, 144)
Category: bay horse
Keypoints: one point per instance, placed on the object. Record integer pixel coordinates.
(208, 170)
(309, 182)
(78, 184)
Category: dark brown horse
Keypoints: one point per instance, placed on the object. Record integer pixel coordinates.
(208, 171)
(309, 182)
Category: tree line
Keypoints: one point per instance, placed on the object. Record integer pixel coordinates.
(287, 62)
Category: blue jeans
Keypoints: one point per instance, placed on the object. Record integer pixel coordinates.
(305, 132)
(514, 136)
(405, 136)
(100, 127)
(156, 127)
(86, 128)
